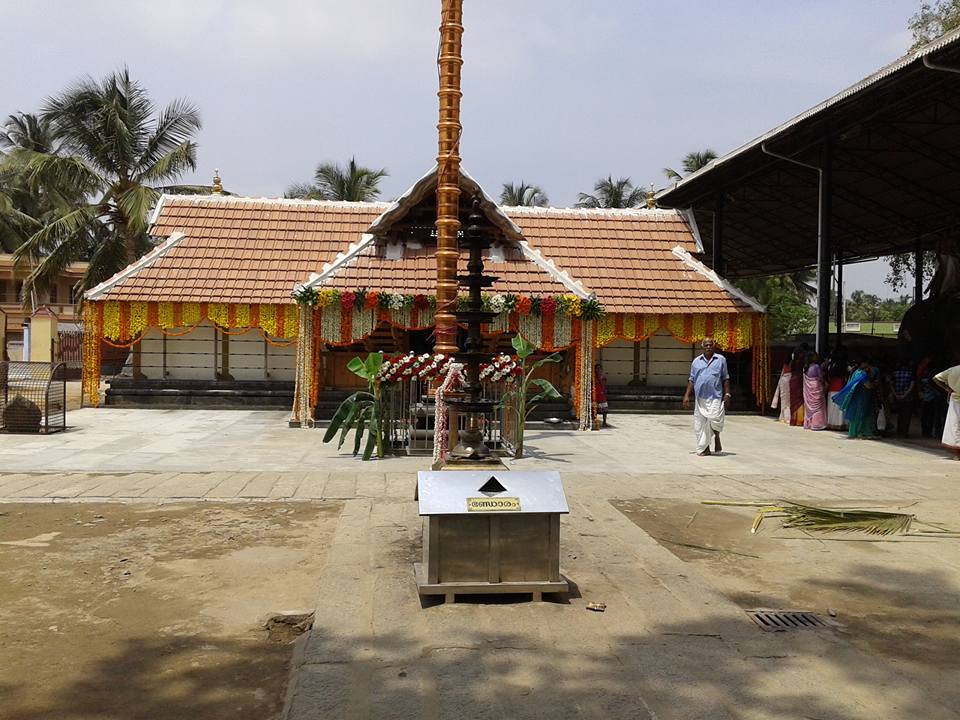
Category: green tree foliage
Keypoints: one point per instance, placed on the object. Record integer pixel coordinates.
(933, 19)
(111, 156)
(788, 300)
(866, 307)
(610, 193)
(901, 273)
(523, 195)
(23, 209)
(691, 162)
(353, 183)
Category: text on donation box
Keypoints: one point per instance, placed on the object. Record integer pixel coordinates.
(486, 504)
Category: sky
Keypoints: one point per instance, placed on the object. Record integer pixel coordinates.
(558, 93)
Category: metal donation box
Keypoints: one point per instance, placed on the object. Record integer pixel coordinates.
(490, 531)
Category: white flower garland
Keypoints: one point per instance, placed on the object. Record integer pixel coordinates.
(399, 315)
(363, 323)
(531, 327)
(562, 330)
(330, 323)
(441, 417)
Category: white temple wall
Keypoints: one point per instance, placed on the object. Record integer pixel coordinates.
(192, 356)
(669, 362)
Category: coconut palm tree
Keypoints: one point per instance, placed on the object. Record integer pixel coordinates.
(117, 154)
(353, 183)
(24, 209)
(523, 195)
(610, 193)
(691, 162)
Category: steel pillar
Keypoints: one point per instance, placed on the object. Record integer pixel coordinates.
(918, 274)
(824, 249)
(839, 309)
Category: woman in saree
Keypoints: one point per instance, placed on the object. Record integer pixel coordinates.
(856, 401)
(836, 373)
(796, 390)
(814, 395)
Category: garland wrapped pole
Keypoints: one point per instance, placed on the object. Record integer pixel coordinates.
(450, 61)
(302, 415)
(92, 336)
(585, 370)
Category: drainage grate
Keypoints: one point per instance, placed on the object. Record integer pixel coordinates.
(783, 620)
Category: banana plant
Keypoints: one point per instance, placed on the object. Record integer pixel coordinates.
(516, 400)
(362, 411)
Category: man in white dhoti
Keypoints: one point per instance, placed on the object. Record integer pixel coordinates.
(949, 380)
(710, 383)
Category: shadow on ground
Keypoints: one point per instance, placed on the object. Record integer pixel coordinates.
(164, 679)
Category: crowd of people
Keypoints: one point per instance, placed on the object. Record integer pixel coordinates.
(868, 398)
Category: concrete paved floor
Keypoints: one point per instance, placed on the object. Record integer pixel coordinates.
(673, 642)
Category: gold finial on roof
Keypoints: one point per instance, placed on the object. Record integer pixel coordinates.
(651, 202)
(217, 188)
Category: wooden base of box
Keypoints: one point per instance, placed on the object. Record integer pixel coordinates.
(449, 590)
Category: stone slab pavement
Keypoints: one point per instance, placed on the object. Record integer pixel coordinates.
(670, 645)
(153, 455)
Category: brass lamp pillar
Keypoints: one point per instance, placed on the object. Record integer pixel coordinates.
(448, 174)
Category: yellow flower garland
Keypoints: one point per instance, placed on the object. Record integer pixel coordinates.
(268, 319)
(699, 329)
(326, 297)
(607, 329)
(111, 320)
(243, 315)
(291, 319)
(651, 324)
(165, 315)
(218, 314)
(191, 314)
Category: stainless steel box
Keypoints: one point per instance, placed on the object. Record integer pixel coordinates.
(490, 531)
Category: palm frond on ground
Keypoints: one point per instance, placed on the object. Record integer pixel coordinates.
(610, 193)
(523, 195)
(821, 519)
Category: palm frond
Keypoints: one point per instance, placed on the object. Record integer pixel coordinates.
(171, 165)
(135, 203)
(56, 171)
(67, 228)
(820, 519)
(175, 127)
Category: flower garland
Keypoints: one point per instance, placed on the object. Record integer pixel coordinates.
(406, 367)
(454, 373)
(584, 390)
(92, 332)
(569, 305)
(304, 374)
(504, 368)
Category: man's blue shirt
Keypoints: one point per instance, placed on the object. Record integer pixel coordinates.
(708, 376)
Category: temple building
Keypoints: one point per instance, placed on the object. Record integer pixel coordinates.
(210, 314)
